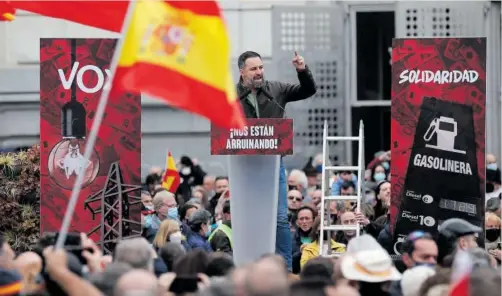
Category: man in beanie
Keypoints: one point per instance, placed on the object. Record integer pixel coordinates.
(200, 226)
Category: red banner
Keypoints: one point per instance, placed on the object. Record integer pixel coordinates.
(72, 75)
(438, 132)
(271, 136)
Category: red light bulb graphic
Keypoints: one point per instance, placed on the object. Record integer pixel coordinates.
(66, 160)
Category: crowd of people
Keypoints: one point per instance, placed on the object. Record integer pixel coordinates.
(186, 245)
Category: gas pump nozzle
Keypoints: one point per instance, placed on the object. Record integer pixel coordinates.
(445, 129)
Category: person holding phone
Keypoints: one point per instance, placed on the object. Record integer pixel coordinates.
(261, 98)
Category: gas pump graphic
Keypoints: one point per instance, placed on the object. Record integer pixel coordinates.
(445, 129)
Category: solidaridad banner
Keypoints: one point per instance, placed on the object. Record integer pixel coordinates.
(438, 133)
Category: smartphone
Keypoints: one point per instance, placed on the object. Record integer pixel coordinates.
(184, 284)
(72, 244)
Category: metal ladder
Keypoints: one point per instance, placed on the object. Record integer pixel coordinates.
(326, 191)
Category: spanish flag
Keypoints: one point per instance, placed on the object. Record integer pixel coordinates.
(7, 12)
(461, 274)
(107, 15)
(171, 178)
(179, 51)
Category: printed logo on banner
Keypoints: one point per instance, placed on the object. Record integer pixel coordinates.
(438, 141)
(416, 196)
(259, 136)
(397, 245)
(77, 75)
(420, 219)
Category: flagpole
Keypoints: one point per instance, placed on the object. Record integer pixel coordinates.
(96, 124)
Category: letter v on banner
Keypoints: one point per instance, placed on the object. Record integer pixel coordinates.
(91, 139)
(77, 72)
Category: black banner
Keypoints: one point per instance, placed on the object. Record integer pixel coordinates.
(442, 180)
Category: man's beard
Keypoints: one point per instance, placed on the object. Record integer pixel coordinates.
(254, 83)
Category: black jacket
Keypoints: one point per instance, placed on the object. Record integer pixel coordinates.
(220, 242)
(280, 92)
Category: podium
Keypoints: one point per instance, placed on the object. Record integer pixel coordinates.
(254, 155)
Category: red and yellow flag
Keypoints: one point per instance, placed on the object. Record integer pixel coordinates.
(180, 51)
(171, 179)
(107, 15)
(7, 11)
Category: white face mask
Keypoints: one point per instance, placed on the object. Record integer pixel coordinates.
(186, 171)
(175, 237)
(219, 222)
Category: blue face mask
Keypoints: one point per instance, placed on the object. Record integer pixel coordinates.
(492, 167)
(150, 208)
(318, 169)
(379, 177)
(385, 165)
(172, 213)
(208, 232)
(425, 264)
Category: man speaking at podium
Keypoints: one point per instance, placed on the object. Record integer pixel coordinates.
(267, 99)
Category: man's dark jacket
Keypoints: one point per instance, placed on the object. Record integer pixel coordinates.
(280, 92)
(220, 242)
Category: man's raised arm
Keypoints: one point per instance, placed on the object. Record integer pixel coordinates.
(307, 86)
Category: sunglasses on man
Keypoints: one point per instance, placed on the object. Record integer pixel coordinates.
(295, 198)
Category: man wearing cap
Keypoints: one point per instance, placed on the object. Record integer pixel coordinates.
(456, 234)
(200, 226)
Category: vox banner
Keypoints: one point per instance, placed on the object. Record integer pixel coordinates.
(72, 74)
(271, 136)
(438, 133)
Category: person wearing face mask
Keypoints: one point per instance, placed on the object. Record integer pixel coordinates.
(381, 158)
(491, 162)
(169, 231)
(165, 207)
(200, 226)
(146, 205)
(492, 235)
(379, 174)
(419, 249)
(186, 212)
(191, 175)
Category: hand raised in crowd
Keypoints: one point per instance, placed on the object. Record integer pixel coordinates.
(204, 280)
(298, 62)
(91, 253)
(55, 260)
(496, 253)
(385, 156)
(361, 219)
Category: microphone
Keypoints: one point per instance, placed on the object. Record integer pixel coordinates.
(269, 96)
